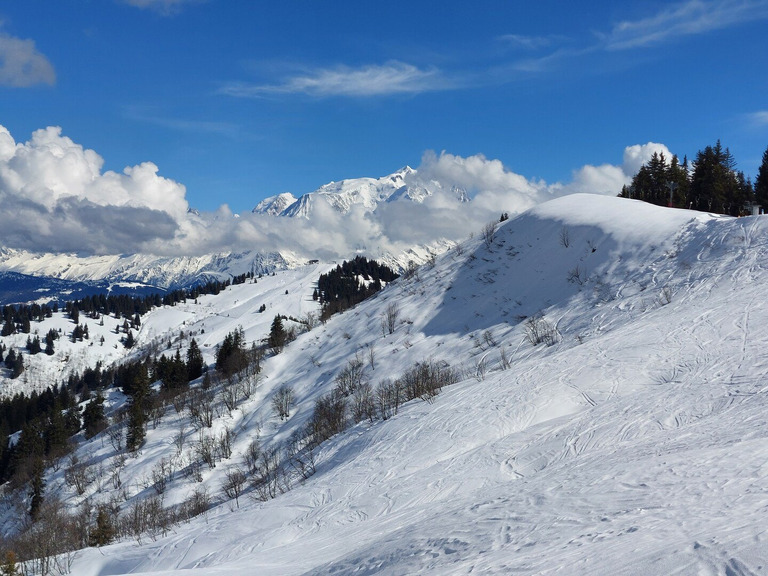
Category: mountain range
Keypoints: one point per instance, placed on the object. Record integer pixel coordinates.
(51, 275)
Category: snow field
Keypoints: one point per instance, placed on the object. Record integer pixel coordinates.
(636, 444)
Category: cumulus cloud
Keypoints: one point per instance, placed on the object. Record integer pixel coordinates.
(55, 197)
(21, 65)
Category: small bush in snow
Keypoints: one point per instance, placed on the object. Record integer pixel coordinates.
(538, 331)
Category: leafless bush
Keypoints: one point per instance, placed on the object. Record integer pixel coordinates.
(391, 314)
(565, 237)
(224, 444)
(577, 275)
(371, 357)
(198, 503)
(116, 435)
(538, 331)
(270, 478)
(351, 376)
(179, 438)
(78, 474)
(389, 396)
(233, 485)
(229, 394)
(504, 360)
(252, 455)
(481, 369)
(426, 379)
(489, 233)
(162, 473)
(205, 450)
(282, 400)
(301, 454)
(329, 417)
(47, 546)
(363, 405)
(201, 409)
(310, 320)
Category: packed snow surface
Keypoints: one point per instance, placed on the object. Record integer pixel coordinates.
(636, 443)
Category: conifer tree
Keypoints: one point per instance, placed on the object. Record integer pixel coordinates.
(761, 183)
(195, 363)
(277, 335)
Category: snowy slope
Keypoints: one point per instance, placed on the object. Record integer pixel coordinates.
(635, 444)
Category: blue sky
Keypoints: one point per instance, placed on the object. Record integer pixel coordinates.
(239, 100)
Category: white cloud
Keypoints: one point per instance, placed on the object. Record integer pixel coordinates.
(164, 7)
(639, 154)
(684, 19)
(527, 42)
(21, 65)
(759, 118)
(56, 198)
(375, 80)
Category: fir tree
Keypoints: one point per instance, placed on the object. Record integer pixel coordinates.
(195, 362)
(277, 335)
(761, 183)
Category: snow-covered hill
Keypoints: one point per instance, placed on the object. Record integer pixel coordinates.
(635, 443)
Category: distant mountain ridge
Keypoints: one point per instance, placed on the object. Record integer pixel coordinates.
(50, 275)
(342, 196)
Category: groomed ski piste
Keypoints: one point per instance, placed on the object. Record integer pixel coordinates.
(634, 441)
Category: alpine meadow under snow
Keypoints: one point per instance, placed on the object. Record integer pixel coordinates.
(609, 416)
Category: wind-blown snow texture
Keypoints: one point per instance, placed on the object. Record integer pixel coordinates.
(636, 444)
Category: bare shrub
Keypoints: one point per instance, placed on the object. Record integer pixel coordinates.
(78, 474)
(577, 275)
(233, 485)
(47, 546)
(538, 331)
(162, 474)
(389, 396)
(252, 456)
(205, 450)
(489, 233)
(565, 237)
(224, 444)
(391, 314)
(363, 405)
(270, 478)
(282, 400)
(329, 417)
(504, 360)
(426, 379)
(351, 376)
(201, 409)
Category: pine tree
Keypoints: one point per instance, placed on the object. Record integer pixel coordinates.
(195, 362)
(277, 335)
(94, 420)
(36, 489)
(761, 183)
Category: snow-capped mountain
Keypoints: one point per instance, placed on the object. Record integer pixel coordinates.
(609, 416)
(147, 271)
(368, 193)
